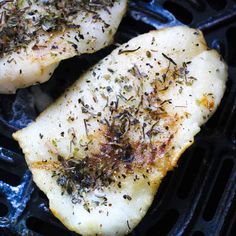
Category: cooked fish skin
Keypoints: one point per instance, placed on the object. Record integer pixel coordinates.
(34, 62)
(101, 150)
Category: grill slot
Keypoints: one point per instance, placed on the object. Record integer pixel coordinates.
(181, 13)
(197, 5)
(231, 37)
(43, 227)
(192, 172)
(164, 226)
(219, 188)
(198, 233)
(217, 5)
(198, 198)
(9, 178)
(4, 209)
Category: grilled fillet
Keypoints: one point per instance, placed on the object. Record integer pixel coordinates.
(100, 151)
(36, 35)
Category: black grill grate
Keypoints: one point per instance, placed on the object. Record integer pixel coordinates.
(198, 198)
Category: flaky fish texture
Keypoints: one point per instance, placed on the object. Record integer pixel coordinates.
(36, 35)
(100, 151)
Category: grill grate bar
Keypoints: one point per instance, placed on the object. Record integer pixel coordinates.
(219, 19)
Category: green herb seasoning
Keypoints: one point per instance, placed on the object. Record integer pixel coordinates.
(22, 20)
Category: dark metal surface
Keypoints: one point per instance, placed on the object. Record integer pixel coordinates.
(198, 198)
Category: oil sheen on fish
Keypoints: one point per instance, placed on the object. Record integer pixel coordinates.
(35, 35)
(100, 151)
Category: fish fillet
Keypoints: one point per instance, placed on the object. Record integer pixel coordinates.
(100, 151)
(36, 35)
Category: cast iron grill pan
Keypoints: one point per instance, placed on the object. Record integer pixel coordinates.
(196, 199)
